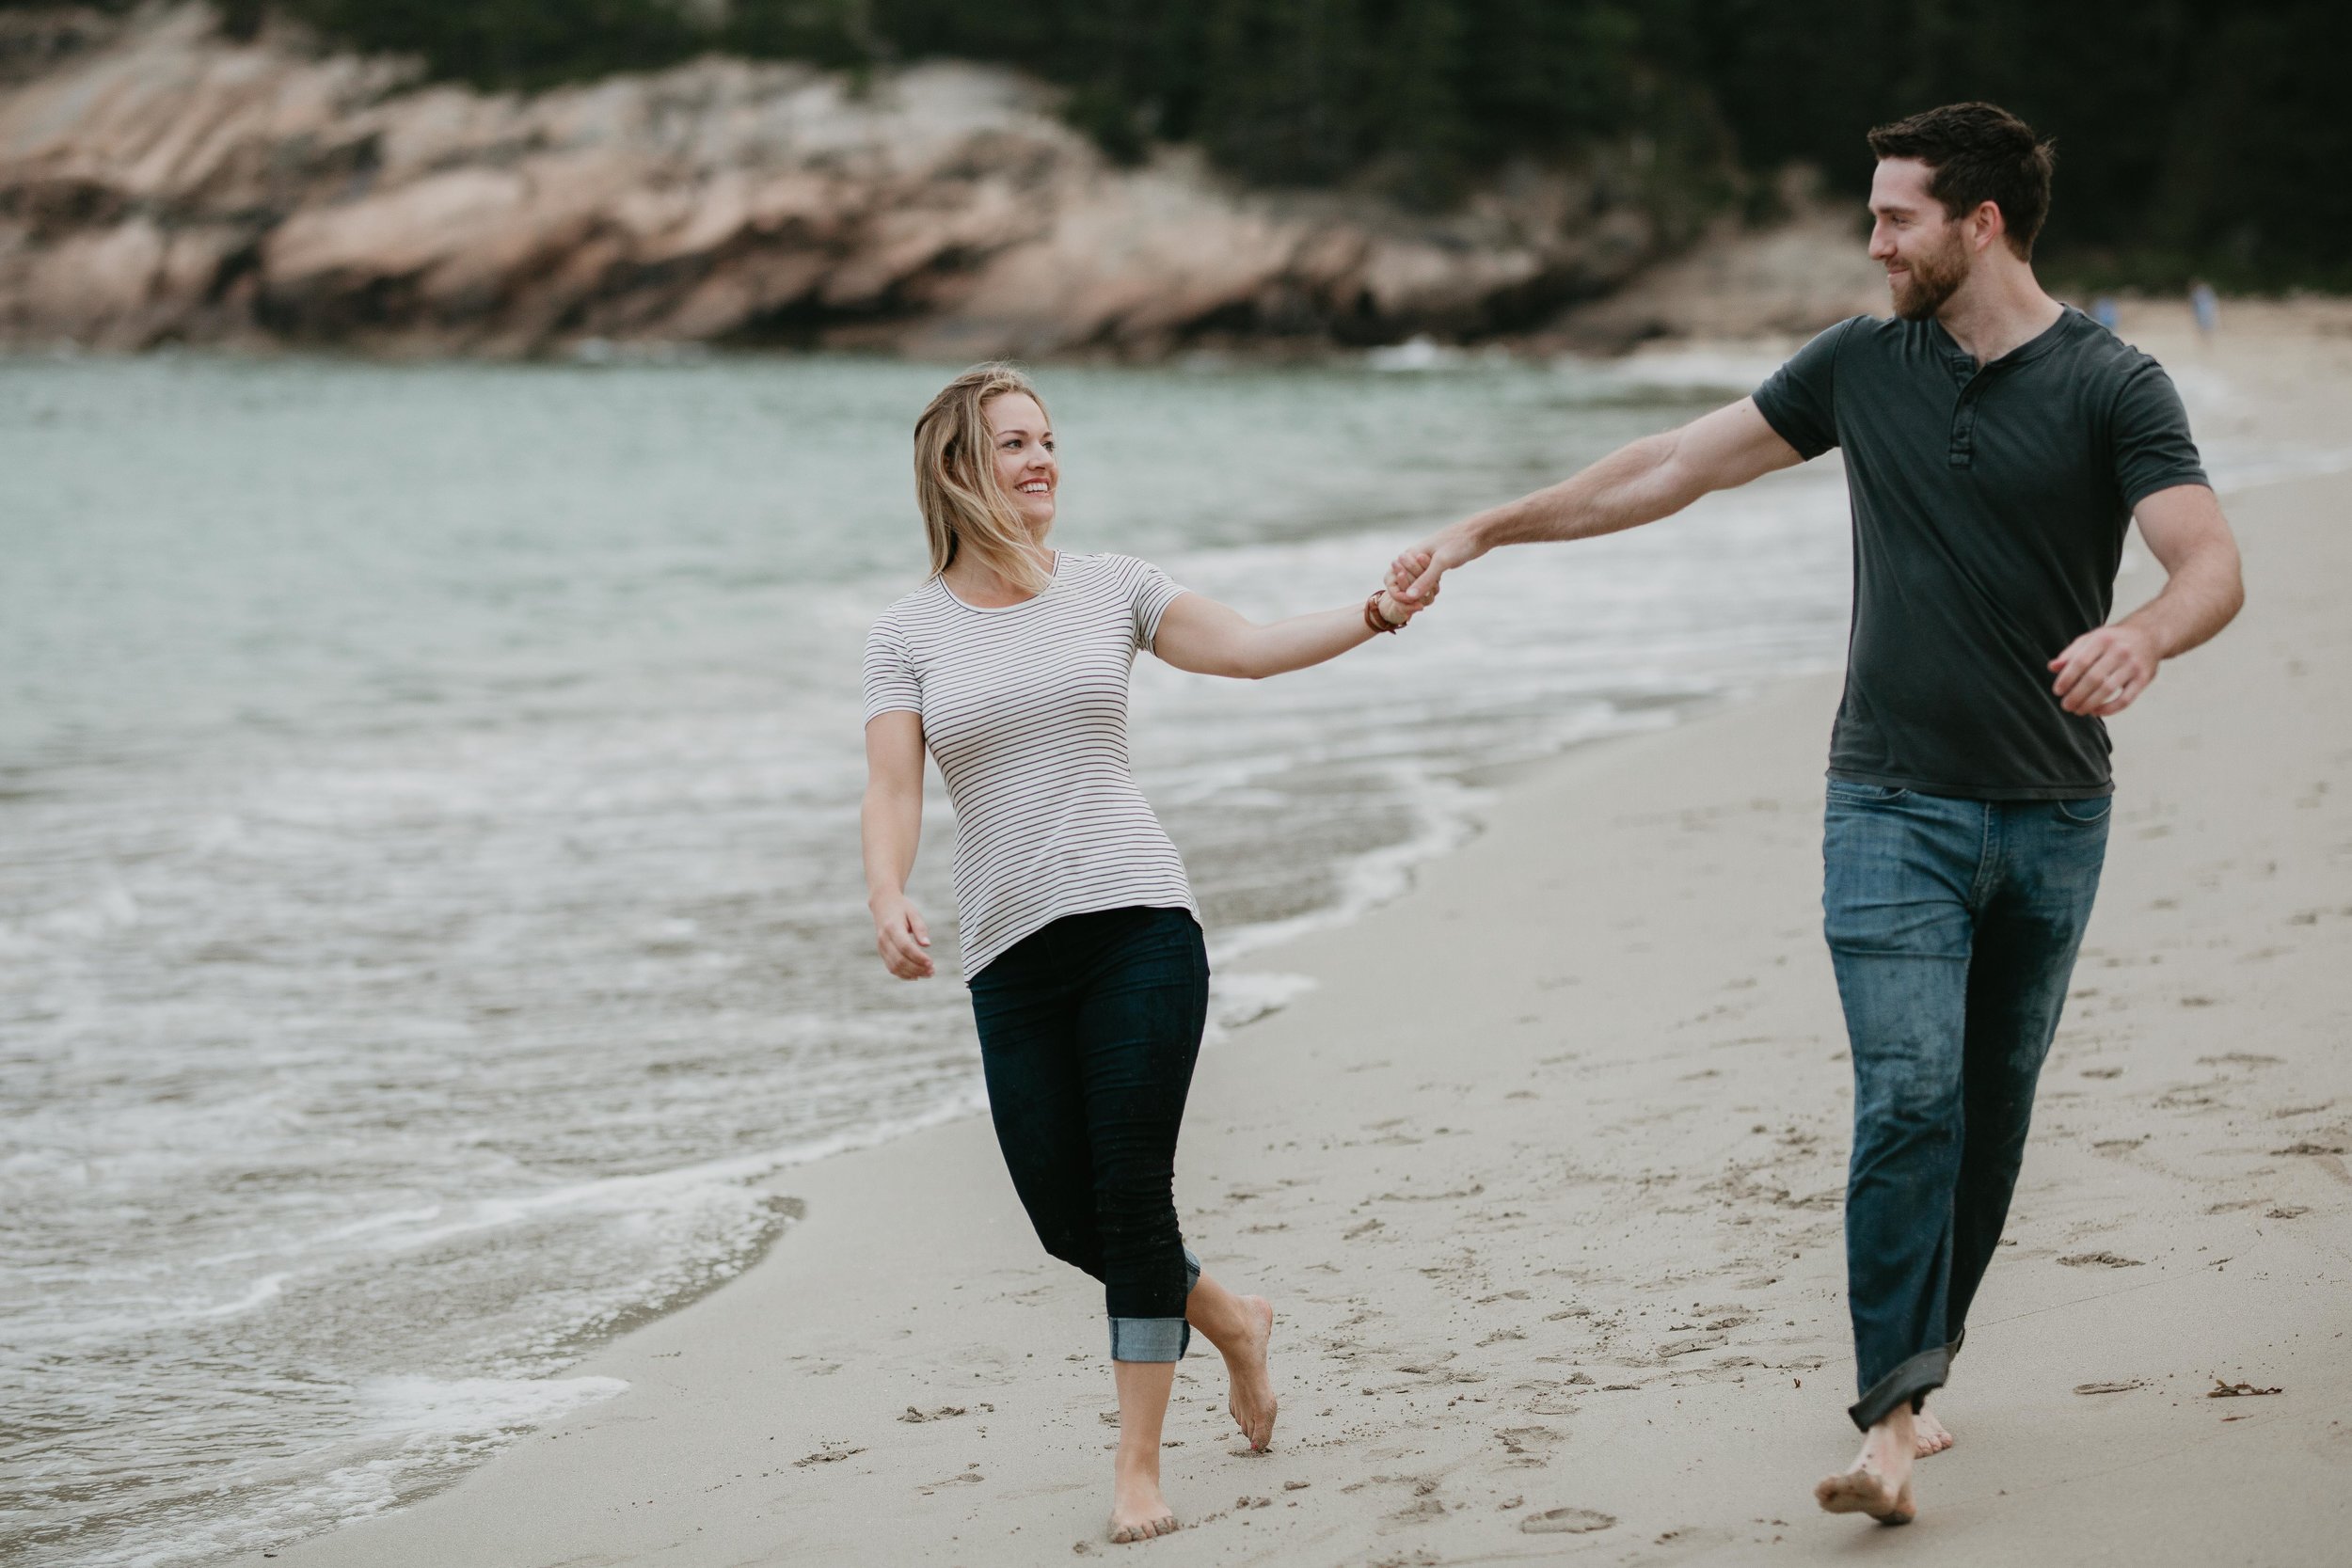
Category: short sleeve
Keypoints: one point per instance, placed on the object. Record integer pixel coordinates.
(1150, 592)
(2148, 434)
(891, 682)
(1799, 399)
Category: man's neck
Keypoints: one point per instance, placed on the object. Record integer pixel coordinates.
(1999, 308)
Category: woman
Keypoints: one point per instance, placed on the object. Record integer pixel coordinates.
(1081, 940)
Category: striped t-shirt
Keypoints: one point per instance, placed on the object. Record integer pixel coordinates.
(1025, 709)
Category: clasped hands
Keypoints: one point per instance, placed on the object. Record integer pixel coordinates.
(1414, 574)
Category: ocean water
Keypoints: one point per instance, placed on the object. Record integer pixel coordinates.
(430, 910)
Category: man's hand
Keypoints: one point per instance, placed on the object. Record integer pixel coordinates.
(900, 935)
(1413, 577)
(2101, 671)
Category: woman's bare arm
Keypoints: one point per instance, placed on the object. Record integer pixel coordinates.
(890, 825)
(1207, 638)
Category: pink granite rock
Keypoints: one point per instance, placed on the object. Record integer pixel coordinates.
(160, 182)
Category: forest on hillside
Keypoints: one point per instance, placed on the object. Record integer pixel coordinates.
(2195, 136)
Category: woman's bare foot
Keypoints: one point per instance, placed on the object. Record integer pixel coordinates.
(1877, 1482)
(1932, 1437)
(1252, 1402)
(1240, 1327)
(1139, 1512)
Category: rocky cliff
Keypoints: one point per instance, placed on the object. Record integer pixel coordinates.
(161, 182)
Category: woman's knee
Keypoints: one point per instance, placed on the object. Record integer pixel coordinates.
(1073, 1238)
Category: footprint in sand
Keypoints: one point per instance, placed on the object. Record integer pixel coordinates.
(1568, 1521)
(970, 1475)
(831, 1453)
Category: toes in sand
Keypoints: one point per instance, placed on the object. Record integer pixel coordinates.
(1126, 1532)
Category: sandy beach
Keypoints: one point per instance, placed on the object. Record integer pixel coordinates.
(1544, 1178)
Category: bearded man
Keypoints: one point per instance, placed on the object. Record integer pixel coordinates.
(1997, 446)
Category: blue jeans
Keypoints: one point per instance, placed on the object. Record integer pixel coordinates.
(1953, 927)
(1089, 1031)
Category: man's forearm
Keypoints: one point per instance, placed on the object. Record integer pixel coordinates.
(1621, 491)
(2201, 596)
(1640, 483)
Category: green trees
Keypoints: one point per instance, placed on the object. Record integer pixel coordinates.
(2193, 135)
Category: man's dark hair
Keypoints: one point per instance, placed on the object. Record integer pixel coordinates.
(1975, 153)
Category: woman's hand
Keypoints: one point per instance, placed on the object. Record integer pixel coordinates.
(900, 937)
(1398, 611)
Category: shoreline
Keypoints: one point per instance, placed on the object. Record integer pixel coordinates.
(1677, 333)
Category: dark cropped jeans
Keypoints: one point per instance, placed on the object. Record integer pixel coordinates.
(1953, 925)
(1089, 1031)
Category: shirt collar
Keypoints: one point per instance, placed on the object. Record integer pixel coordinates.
(2034, 347)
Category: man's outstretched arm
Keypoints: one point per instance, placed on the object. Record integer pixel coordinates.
(2105, 669)
(1652, 478)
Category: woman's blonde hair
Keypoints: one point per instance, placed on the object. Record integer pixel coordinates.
(964, 506)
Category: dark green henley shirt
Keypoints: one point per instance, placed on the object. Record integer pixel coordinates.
(1989, 504)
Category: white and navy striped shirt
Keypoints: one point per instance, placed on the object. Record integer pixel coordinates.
(1025, 709)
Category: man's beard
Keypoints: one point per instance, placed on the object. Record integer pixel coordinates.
(1932, 278)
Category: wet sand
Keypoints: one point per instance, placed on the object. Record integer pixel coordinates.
(1544, 1178)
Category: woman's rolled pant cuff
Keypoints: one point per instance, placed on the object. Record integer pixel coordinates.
(1156, 1339)
(1150, 1338)
(1908, 1383)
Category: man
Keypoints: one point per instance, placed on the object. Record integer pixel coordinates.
(1997, 446)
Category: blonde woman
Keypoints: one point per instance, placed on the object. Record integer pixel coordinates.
(1081, 940)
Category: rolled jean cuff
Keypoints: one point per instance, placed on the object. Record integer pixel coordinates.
(1156, 1339)
(1908, 1383)
(1150, 1338)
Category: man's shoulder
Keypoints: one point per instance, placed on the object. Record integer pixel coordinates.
(2097, 354)
(1861, 341)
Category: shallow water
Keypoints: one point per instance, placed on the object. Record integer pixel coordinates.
(429, 890)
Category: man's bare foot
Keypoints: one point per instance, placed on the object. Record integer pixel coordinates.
(1877, 1482)
(1253, 1399)
(1932, 1437)
(1139, 1512)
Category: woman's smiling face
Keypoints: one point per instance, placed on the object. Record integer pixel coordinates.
(1026, 464)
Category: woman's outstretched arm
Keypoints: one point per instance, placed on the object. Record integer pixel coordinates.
(890, 825)
(1211, 639)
